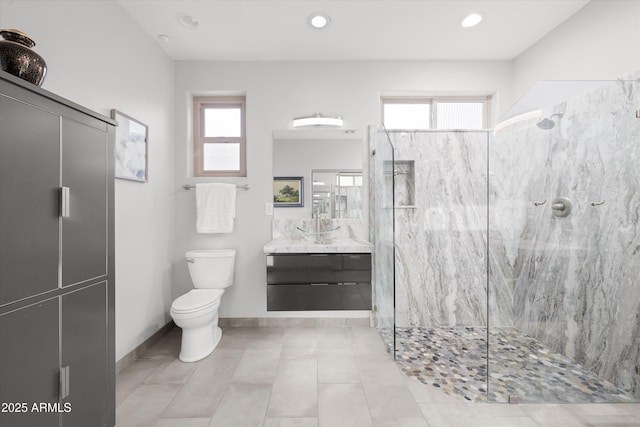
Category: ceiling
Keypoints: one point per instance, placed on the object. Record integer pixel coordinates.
(358, 29)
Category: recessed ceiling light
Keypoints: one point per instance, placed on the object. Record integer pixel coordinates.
(164, 38)
(471, 20)
(187, 21)
(318, 20)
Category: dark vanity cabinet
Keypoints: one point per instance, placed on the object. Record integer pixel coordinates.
(322, 281)
(57, 326)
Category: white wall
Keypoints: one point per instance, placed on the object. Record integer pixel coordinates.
(99, 58)
(600, 42)
(276, 93)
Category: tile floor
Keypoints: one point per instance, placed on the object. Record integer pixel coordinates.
(314, 376)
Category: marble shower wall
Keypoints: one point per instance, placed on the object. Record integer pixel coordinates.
(440, 227)
(573, 282)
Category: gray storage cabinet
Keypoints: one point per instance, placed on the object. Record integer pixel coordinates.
(57, 325)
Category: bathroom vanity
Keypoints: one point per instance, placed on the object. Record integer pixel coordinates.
(307, 276)
(318, 258)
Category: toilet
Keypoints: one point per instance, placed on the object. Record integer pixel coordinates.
(196, 312)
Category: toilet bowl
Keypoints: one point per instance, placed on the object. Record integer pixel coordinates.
(196, 312)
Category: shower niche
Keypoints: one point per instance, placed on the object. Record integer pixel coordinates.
(402, 174)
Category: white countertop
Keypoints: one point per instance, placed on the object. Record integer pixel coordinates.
(296, 246)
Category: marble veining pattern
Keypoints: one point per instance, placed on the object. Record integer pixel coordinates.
(292, 246)
(287, 238)
(571, 283)
(441, 238)
(347, 228)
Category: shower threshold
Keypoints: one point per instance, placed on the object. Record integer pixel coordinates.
(454, 360)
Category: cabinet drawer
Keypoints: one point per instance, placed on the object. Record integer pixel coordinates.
(318, 268)
(318, 282)
(302, 297)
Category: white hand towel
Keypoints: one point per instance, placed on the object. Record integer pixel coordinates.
(215, 207)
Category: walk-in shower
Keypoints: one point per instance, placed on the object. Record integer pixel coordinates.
(481, 288)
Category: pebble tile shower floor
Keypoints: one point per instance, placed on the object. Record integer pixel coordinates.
(454, 360)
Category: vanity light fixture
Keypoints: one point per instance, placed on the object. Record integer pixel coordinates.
(318, 120)
(471, 20)
(318, 20)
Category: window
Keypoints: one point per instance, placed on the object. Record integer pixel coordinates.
(354, 180)
(407, 114)
(435, 113)
(219, 140)
(460, 115)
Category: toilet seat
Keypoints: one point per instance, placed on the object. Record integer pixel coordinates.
(196, 300)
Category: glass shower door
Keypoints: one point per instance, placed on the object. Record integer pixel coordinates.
(382, 234)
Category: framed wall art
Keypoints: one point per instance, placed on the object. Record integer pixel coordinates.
(131, 149)
(288, 191)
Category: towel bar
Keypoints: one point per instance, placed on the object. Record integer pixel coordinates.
(189, 187)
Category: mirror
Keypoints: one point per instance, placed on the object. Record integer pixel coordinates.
(336, 193)
(329, 156)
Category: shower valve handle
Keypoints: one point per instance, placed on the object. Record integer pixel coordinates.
(561, 206)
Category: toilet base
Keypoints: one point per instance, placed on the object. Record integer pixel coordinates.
(198, 343)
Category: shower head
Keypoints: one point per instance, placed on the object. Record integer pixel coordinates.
(547, 123)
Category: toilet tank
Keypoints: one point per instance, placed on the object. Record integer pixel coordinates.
(211, 268)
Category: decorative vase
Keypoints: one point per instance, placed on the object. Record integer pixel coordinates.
(17, 58)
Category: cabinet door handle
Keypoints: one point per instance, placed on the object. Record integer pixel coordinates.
(64, 382)
(64, 202)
